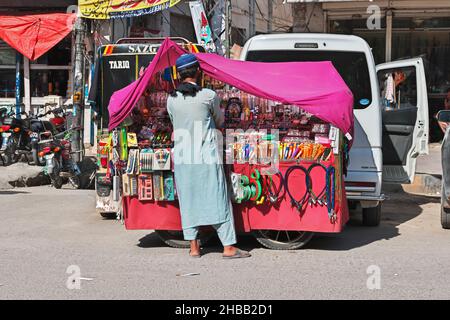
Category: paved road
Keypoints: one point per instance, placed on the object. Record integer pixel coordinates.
(43, 231)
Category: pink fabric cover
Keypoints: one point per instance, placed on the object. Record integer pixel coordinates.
(314, 86)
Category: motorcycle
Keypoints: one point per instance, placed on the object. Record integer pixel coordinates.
(3, 114)
(21, 136)
(15, 138)
(59, 163)
(41, 131)
(59, 119)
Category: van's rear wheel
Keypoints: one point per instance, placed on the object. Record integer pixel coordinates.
(282, 239)
(371, 216)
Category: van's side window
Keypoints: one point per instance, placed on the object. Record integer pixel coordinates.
(398, 88)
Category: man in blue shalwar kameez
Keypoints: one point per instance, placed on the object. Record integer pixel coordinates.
(199, 174)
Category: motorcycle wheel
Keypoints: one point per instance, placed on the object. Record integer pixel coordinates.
(9, 155)
(6, 158)
(75, 182)
(37, 161)
(57, 182)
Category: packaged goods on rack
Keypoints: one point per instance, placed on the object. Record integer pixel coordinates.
(285, 136)
(139, 152)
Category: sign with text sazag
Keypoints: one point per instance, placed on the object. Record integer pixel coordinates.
(108, 9)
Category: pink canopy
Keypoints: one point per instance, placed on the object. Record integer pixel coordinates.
(314, 86)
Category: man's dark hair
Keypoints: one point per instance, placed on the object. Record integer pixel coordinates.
(189, 72)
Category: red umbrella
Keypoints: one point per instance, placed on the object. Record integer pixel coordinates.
(34, 35)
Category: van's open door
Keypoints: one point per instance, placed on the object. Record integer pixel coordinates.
(405, 117)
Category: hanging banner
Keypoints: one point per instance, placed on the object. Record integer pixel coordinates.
(201, 25)
(108, 9)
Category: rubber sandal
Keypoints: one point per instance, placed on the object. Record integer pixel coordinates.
(238, 254)
(194, 256)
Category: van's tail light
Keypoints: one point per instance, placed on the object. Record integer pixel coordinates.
(41, 154)
(16, 129)
(361, 184)
(56, 149)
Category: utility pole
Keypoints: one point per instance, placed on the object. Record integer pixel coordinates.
(78, 91)
(18, 84)
(270, 13)
(252, 18)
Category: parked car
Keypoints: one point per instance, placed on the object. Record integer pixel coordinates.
(387, 139)
(444, 116)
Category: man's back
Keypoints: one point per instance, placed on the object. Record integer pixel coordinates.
(186, 110)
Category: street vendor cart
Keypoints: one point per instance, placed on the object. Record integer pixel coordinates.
(288, 128)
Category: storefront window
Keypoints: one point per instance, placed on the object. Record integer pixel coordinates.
(48, 82)
(7, 55)
(434, 47)
(7, 71)
(49, 75)
(430, 39)
(358, 27)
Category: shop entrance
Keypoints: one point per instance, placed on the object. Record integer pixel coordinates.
(426, 37)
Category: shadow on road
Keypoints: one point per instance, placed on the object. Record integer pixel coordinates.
(12, 192)
(151, 240)
(246, 242)
(400, 208)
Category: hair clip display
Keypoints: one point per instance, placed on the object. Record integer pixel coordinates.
(145, 187)
(146, 160)
(161, 159)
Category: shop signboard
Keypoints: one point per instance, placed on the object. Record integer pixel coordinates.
(201, 25)
(107, 9)
(122, 64)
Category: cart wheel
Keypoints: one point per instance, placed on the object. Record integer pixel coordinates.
(175, 239)
(107, 215)
(283, 240)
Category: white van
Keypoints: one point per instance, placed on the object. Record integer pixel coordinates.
(390, 108)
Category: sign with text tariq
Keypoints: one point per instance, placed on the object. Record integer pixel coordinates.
(201, 26)
(107, 9)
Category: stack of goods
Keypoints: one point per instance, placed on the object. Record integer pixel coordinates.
(279, 135)
(138, 155)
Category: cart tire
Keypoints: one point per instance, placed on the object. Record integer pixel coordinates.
(372, 216)
(283, 240)
(175, 239)
(108, 215)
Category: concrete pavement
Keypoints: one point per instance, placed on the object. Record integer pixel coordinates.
(44, 231)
